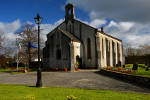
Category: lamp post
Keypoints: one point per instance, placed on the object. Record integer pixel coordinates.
(38, 20)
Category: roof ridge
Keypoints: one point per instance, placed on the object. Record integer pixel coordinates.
(98, 30)
(69, 34)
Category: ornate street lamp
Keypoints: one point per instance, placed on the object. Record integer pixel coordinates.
(38, 20)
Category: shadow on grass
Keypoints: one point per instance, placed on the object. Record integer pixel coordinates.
(31, 86)
(36, 87)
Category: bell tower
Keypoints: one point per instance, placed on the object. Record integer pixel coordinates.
(70, 15)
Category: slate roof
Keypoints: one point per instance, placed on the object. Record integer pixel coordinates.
(71, 36)
(98, 30)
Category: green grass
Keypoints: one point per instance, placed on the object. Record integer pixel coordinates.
(10, 71)
(14, 71)
(20, 92)
(140, 71)
(129, 65)
(5, 70)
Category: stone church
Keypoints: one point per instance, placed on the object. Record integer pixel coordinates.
(74, 41)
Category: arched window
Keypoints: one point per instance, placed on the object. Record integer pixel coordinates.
(70, 28)
(58, 54)
(52, 45)
(88, 48)
(102, 48)
(69, 11)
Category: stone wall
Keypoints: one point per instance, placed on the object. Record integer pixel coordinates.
(58, 46)
(110, 50)
(83, 32)
(88, 33)
(139, 80)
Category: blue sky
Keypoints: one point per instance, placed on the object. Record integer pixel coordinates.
(25, 10)
(128, 20)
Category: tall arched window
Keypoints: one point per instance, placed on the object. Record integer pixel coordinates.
(69, 12)
(102, 48)
(58, 54)
(88, 48)
(70, 28)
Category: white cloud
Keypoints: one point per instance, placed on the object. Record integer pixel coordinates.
(123, 10)
(8, 29)
(129, 32)
(94, 23)
(133, 18)
(97, 22)
(126, 25)
(122, 26)
(136, 40)
(112, 23)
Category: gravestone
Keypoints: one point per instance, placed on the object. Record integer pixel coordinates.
(148, 65)
(146, 69)
(124, 66)
(116, 65)
(135, 67)
(119, 63)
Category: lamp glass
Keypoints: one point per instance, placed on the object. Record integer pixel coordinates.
(38, 19)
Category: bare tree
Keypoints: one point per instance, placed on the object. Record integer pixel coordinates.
(28, 34)
(129, 50)
(4, 51)
(2, 37)
(138, 51)
(145, 49)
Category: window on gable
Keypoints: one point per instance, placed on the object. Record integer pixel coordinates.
(69, 11)
(88, 48)
(70, 28)
(58, 54)
(102, 48)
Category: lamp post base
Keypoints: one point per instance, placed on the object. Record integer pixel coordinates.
(39, 80)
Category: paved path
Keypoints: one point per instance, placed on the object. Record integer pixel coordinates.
(85, 79)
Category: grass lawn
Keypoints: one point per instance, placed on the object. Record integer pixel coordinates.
(12, 71)
(9, 70)
(5, 70)
(140, 71)
(20, 92)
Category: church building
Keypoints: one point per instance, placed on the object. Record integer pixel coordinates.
(73, 41)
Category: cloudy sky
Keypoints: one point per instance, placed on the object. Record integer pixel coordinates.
(128, 20)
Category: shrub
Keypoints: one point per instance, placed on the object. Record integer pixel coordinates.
(13, 68)
(109, 68)
(77, 64)
(71, 97)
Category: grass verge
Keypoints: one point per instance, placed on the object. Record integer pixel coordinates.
(140, 71)
(20, 92)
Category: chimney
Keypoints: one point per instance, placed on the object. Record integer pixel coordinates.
(102, 29)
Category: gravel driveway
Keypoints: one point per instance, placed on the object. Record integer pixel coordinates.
(88, 80)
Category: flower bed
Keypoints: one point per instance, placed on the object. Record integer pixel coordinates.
(56, 69)
(24, 70)
(120, 69)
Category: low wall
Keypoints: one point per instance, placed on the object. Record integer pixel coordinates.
(139, 80)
